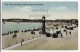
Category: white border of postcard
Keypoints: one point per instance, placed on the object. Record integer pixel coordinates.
(48, 50)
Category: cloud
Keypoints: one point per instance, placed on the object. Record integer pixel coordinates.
(59, 8)
(24, 8)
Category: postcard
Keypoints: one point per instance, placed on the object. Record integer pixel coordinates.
(40, 25)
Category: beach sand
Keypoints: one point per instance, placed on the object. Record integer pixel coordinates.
(68, 42)
(7, 40)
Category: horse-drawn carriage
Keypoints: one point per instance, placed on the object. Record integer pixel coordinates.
(32, 32)
(55, 35)
(58, 31)
(48, 34)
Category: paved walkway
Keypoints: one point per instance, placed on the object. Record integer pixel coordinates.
(19, 44)
(68, 42)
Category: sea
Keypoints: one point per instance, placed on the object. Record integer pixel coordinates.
(12, 26)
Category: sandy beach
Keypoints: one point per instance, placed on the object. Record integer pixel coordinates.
(68, 42)
(7, 40)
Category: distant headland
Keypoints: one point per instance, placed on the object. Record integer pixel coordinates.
(40, 20)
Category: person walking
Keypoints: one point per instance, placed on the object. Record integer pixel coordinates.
(70, 32)
(61, 35)
(22, 41)
(66, 32)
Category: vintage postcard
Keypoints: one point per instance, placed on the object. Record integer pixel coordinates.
(39, 25)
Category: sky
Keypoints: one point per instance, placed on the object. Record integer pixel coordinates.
(35, 10)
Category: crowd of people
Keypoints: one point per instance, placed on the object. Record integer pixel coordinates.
(54, 32)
